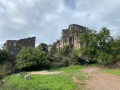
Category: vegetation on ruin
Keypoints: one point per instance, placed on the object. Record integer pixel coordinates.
(65, 50)
(74, 31)
(53, 49)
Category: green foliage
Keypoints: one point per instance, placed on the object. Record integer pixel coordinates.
(43, 47)
(81, 61)
(62, 81)
(30, 57)
(75, 54)
(53, 49)
(6, 68)
(117, 40)
(40, 82)
(89, 44)
(105, 44)
(4, 56)
(57, 61)
(99, 46)
(65, 50)
(113, 71)
(98, 64)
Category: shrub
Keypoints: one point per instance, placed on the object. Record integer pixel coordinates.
(57, 61)
(75, 54)
(65, 50)
(43, 47)
(30, 58)
(81, 61)
(53, 49)
(62, 63)
(6, 68)
(4, 56)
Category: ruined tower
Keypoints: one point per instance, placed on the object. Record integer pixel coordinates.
(70, 36)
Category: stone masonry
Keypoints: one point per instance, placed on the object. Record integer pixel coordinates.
(14, 46)
(71, 36)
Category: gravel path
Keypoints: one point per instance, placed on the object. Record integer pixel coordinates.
(100, 80)
(45, 72)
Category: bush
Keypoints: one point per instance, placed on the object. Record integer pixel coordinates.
(63, 63)
(6, 68)
(53, 49)
(43, 47)
(65, 50)
(81, 61)
(75, 54)
(4, 56)
(31, 58)
(78, 59)
(57, 61)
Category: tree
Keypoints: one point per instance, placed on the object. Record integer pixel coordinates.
(65, 50)
(75, 54)
(117, 49)
(105, 44)
(99, 46)
(88, 44)
(4, 56)
(53, 49)
(31, 57)
(43, 47)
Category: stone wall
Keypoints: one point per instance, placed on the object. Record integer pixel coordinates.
(71, 36)
(14, 46)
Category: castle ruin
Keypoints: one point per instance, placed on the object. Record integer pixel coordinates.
(71, 37)
(14, 46)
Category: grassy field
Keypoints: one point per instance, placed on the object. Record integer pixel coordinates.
(108, 70)
(62, 81)
(98, 64)
(113, 71)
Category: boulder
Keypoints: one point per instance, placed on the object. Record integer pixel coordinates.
(27, 77)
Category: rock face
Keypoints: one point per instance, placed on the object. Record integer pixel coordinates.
(27, 77)
(71, 36)
(14, 46)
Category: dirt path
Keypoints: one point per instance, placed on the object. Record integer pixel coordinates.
(101, 81)
(44, 72)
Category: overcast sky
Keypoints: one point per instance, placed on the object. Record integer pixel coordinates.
(45, 19)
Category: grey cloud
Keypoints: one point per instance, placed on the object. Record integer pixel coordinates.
(45, 19)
